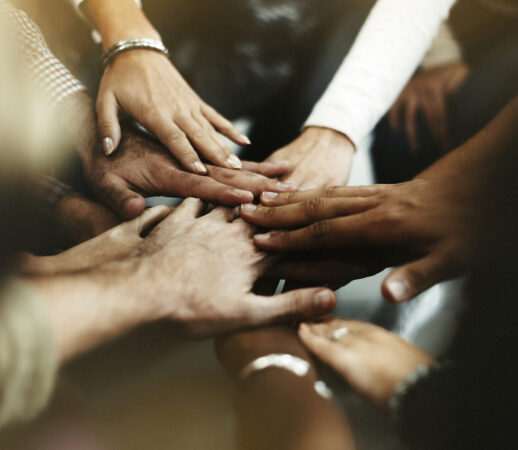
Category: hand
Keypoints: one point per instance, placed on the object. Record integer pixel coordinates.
(319, 157)
(115, 244)
(372, 360)
(428, 92)
(433, 227)
(145, 85)
(199, 271)
(141, 167)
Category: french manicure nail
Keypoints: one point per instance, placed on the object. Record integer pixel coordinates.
(245, 140)
(242, 193)
(262, 237)
(248, 207)
(397, 288)
(269, 195)
(234, 162)
(200, 168)
(108, 146)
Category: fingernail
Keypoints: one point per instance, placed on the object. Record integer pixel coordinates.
(323, 299)
(108, 146)
(199, 167)
(397, 289)
(303, 328)
(245, 140)
(248, 208)
(269, 195)
(262, 237)
(249, 195)
(234, 162)
(287, 186)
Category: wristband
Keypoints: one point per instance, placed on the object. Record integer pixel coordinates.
(131, 44)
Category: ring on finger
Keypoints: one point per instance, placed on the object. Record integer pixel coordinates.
(338, 333)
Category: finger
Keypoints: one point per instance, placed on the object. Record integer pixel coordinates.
(276, 199)
(268, 169)
(190, 208)
(341, 232)
(410, 122)
(207, 142)
(177, 143)
(185, 184)
(306, 212)
(222, 214)
(405, 282)
(224, 126)
(118, 195)
(395, 114)
(108, 123)
(151, 217)
(330, 352)
(435, 112)
(250, 181)
(297, 304)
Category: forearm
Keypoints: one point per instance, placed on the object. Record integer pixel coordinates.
(491, 152)
(89, 308)
(118, 20)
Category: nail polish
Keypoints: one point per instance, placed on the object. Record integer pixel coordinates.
(398, 289)
(234, 162)
(108, 146)
(245, 140)
(288, 186)
(269, 195)
(262, 237)
(199, 167)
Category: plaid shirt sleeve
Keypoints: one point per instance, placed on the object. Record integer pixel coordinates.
(50, 75)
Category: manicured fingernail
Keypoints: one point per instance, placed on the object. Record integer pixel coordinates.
(234, 162)
(248, 208)
(262, 237)
(303, 328)
(245, 140)
(287, 186)
(249, 195)
(108, 146)
(199, 167)
(269, 195)
(397, 289)
(323, 299)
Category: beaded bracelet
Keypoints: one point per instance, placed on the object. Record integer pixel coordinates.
(131, 44)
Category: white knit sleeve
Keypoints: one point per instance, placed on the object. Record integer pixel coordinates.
(388, 49)
(77, 3)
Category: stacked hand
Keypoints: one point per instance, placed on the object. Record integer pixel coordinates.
(429, 226)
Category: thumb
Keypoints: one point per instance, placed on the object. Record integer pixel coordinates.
(125, 202)
(298, 304)
(409, 280)
(108, 125)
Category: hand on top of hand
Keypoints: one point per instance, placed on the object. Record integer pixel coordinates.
(429, 226)
(146, 86)
(319, 157)
(371, 359)
(142, 167)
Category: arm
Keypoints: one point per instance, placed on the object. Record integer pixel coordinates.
(145, 85)
(268, 395)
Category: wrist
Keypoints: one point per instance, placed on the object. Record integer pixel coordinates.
(329, 137)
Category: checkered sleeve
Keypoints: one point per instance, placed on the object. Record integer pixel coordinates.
(49, 74)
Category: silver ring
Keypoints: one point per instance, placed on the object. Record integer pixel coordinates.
(338, 333)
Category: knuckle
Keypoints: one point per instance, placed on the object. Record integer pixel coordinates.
(313, 206)
(199, 134)
(328, 191)
(268, 213)
(320, 229)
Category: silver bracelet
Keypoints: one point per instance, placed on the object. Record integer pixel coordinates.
(131, 44)
(291, 363)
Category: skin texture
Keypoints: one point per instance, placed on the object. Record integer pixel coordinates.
(166, 276)
(142, 167)
(146, 86)
(319, 157)
(428, 93)
(372, 360)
